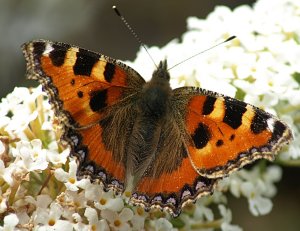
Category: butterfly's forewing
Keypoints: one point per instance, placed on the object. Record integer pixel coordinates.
(80, 83)
(84, 87)
(226, 134)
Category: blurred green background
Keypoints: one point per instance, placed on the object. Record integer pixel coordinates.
(93, 25)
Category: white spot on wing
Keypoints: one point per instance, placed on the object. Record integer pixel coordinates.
(48, 48)
(185, 193)
(271, 123)
(199, 185)
(75, 140)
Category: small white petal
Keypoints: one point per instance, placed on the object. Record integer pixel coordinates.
(115, 204)
(109, 215)
(229, 227)
(61, 175)
(2, 147)
(260, 205)
(10, 221)
(126, 214)
(91, 215)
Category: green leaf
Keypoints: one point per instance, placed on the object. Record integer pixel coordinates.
(296, 77)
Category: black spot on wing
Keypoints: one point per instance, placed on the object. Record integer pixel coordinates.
(278, 131)
(201, 136)
(58, 54)
(219, 143)
(208, 105)
(259, 121)
(80, 94)
(85, 62)
(98, 100)
(38, 50)
(109, 72)
(234, 110)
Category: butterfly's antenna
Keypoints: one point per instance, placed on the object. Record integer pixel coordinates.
(132, 32)
(225, 41)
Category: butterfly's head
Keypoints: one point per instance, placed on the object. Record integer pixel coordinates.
(161, 73)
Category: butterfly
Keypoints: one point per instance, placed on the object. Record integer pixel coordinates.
(166, 147)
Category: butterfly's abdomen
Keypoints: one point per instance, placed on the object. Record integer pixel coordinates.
(153, 107)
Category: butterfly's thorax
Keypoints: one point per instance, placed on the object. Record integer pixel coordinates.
(152, 107)
(154, 99)
(155, 94)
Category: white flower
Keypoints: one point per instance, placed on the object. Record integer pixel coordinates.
(258, 204)
(94, 222)
(235, 185)
(10, 223)
(6, 173)
(139, 217)
(202, 212)
(75, 199)
(69, 178)
(2, 148)
(56, 157)
(227, 218)
(42, 201)
(162, 224)
(32, 156)
(118, 221)
(3, 199)
(272, 175)
(293, 152)
(103, 200)
(77, 217)
(20, 122)
(50, 219)
(257, 186)
(13, 100)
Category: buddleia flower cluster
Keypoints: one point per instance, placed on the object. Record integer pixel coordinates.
(39, 189)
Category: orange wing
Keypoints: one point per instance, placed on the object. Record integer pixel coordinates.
(84, 88)
(172, 189)
(80, 83)
(226, 134)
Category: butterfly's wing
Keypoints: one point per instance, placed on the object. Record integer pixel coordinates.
(226, 134)
(84, 89)
(80, 83)
(212, 135)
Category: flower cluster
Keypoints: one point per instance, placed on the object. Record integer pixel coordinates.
(38, 184)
